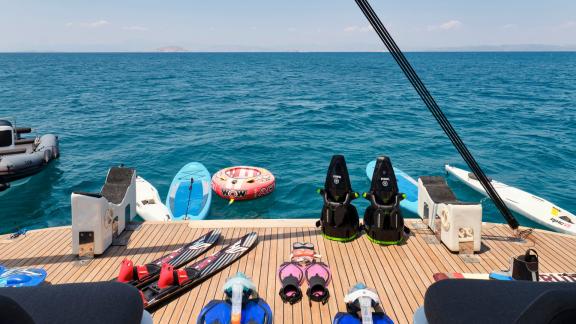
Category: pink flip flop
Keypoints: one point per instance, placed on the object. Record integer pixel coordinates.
(291, 277)
(318, 277)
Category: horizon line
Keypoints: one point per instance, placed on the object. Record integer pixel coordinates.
(294, 51)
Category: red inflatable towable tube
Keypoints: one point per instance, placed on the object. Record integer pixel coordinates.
(243, 183)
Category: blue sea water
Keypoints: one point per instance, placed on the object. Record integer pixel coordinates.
(288, 112)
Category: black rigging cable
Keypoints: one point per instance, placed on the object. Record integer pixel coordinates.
(435, 110)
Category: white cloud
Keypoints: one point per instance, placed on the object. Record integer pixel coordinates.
(568, 25)
(510, 27)
(98, 23)
(292, 29)
(358, 29)
(135, 28)
(449, 25)
(94, 24)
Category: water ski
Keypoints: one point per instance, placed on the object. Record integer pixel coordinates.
(174, 282)
(141, 275)
(339, 220)
(383, 219)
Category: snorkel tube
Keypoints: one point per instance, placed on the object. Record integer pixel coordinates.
(360, 298)
(236, 289)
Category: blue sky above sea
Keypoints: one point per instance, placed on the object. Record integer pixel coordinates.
(297, 25)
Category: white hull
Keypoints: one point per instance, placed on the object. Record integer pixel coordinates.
(148, 203)
(526, 204)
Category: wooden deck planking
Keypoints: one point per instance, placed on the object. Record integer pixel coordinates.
(179, 310)
(167, 312)
(400, 274)
(278, 253)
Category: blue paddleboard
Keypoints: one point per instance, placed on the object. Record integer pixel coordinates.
(22, 277)
(406, 185)
(190, 199)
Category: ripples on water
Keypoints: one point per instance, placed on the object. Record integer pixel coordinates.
(289, 113)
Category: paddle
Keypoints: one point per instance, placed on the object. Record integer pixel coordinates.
(189, 196)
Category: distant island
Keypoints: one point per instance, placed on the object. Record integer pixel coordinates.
(370, 48)
(171, 49)
(505, 48)
(358, 48)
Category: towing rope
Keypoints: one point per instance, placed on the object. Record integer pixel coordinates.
(435, 110)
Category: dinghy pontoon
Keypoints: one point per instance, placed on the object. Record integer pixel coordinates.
(23, 157)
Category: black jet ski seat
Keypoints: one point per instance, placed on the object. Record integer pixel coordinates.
(339, 220)
(383, 221)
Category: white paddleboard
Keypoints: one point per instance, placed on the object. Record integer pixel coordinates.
(148, 203)
(526, 204)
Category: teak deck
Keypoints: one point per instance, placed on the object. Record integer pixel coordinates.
(400, 274)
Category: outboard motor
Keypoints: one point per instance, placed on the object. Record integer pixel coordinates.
(339, 220)
(6, 134)
(383, 219)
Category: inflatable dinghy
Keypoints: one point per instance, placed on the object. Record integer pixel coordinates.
(23, 157)
(148, 203)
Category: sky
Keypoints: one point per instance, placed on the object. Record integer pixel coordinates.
(273, 25)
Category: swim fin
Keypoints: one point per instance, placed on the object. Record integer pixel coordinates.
(347, 318)
(360, 301)
(291, 276)
(254, 311)
(318, 276)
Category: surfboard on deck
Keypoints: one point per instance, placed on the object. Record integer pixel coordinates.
(190, 199)
(406, 185)
(526, 204)
(544, 277)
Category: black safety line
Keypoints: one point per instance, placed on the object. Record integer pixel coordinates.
(435, 110)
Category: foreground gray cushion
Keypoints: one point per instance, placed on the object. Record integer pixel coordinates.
(494, 301)
(99, 302)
